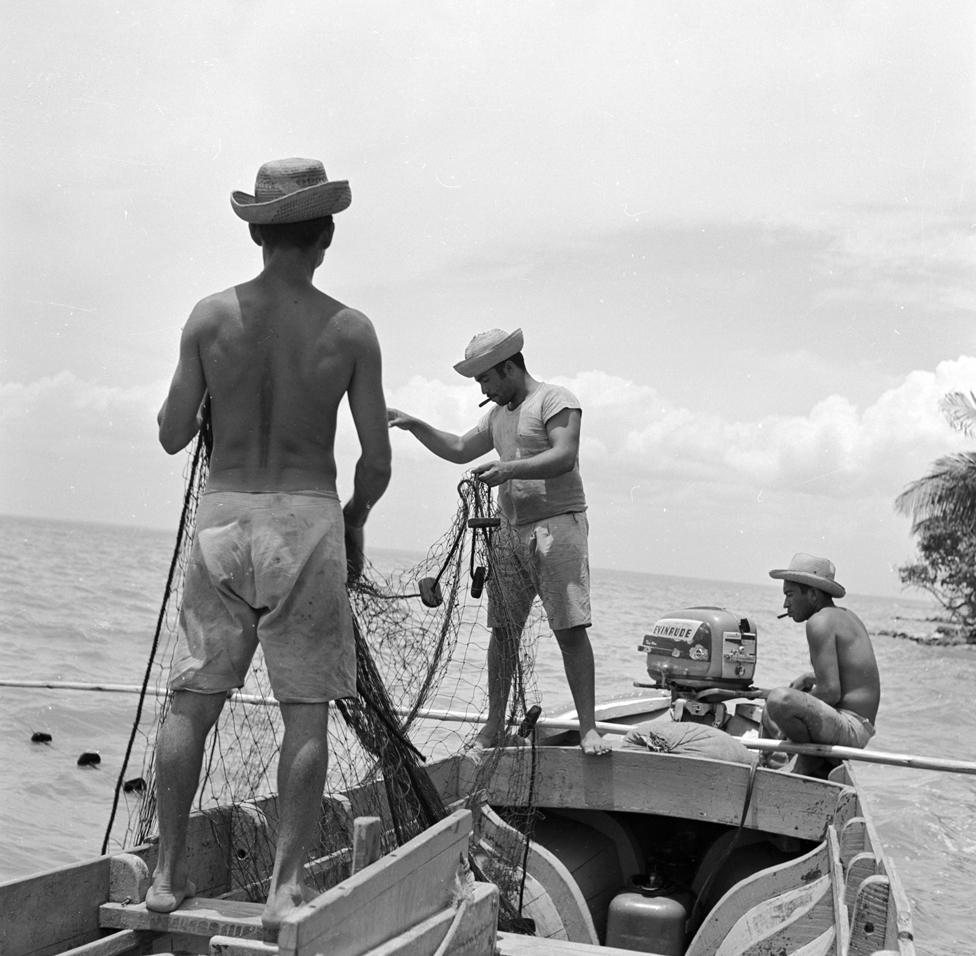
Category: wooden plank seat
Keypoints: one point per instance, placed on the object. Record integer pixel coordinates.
(197, 916)
(387, 898)
(794, 903)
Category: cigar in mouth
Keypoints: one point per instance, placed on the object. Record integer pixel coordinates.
(485, 402)
(781, 616)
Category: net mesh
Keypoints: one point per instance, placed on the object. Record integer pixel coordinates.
(422, 642)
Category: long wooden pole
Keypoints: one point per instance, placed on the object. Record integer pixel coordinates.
(552, 723)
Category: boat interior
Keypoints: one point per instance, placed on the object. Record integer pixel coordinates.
(639, 851)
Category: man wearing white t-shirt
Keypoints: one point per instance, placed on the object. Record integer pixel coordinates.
(534, 429)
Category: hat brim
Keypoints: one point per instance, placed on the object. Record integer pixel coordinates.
(811, 580)
(479, 364)
(312, 202)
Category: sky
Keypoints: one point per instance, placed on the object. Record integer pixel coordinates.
(742, 233)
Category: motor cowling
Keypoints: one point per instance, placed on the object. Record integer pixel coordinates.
(701, 646)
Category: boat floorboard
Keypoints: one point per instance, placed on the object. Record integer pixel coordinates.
(514, 944)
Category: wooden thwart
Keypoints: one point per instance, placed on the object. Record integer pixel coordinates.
(198, 916)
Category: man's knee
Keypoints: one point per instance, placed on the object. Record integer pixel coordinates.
(572, 638)
(781, 704)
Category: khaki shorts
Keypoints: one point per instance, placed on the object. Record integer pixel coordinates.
(267, 568)
(548, 558)
(854, 730)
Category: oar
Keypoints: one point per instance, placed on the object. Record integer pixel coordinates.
(450, 716)
(555, 723)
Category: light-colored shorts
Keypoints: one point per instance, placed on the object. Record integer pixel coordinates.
(854, 731)
(267, 567)
(548, 558)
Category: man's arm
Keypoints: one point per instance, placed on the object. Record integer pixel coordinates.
(459, 449)
(822, 641)
(177, 419)
(564, 437)
(368, 406)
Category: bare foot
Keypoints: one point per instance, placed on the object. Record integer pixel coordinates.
(489, 736)
(162, 897)
(283, 902)
(593, 744)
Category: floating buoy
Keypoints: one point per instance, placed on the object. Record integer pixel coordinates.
(89, 759)
(40, 737)
(478, 582)
(135, 785)
(430, 592)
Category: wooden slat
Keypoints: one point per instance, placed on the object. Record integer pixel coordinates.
(756, 890)
(869, 916)
(366, 834)
(790, 919)
(473, 930)
(198, 916)
(899, 933)
(398, 891)
(252, 849)
(859, 869)
(229, 946)
(853, 839)
(68, 897)
(512, 944)
(687, 787)
(629, 851)
(840, 912)
(549, 871)
(115, 944)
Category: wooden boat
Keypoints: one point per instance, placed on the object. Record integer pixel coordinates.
(762, 861)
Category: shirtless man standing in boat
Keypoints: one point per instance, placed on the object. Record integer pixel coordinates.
(534, 429)
(274, 356)
(836, 703)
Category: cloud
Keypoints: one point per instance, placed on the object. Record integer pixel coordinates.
(835, 449)
(64, 408)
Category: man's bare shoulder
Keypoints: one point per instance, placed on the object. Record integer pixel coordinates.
(835, 622)
(353, 326)
(213, 308)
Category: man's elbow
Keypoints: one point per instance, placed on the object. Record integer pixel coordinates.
(378, 467)
(172, 443)
(829, 694)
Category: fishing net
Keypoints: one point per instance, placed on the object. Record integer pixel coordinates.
(422, 644)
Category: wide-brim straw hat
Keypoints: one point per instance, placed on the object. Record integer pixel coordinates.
(291, 190)
(812, 571)
(487, 349)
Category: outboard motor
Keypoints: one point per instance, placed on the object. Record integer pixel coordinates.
(706, 657)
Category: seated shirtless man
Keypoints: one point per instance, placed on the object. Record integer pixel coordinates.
(836, 703)
(275, 357)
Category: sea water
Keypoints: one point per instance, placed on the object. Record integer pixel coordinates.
(80, 604)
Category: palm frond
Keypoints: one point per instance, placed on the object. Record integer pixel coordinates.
(959, 410)
(948, 491)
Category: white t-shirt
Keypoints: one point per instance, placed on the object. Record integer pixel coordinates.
(522, 434)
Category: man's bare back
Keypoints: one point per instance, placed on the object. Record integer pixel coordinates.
(835, 633)
(277, 362)
(276, 358)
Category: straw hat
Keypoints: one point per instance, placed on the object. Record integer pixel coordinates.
(487, 349)
(812, 571)
(291, 190)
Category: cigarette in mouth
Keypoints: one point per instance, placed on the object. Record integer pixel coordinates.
(784, 614)
(485, 402)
